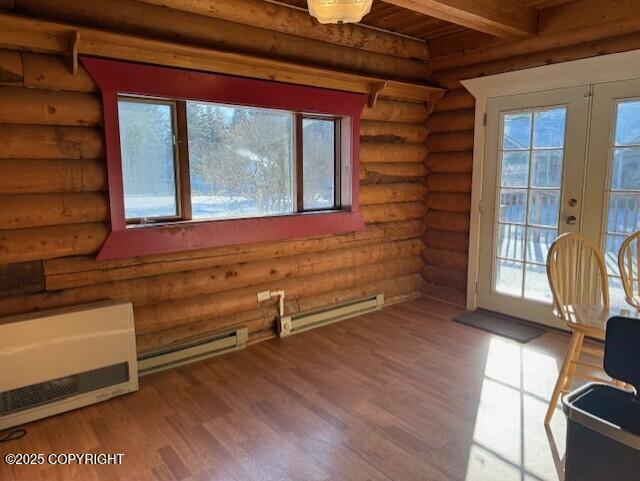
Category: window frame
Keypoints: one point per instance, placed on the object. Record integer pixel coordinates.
(299, 163)
(126, 79)
(180, 147)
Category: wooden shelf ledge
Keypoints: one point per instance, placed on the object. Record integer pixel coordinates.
(28, 34)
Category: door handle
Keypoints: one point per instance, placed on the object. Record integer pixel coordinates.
(570, 219)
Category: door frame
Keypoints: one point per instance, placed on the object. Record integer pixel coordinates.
(594, 70)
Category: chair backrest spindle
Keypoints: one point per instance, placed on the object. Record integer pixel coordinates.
(577, 273)
(628, 263)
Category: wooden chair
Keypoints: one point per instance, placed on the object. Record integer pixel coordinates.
(577, 276)
(629, 264)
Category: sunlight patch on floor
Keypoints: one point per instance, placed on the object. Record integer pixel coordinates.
(510, 442)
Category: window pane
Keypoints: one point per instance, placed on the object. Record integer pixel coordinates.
(517, 131)
(547, 168)
(612, 247)
(509, 277)
(148, 166)
(240, 161)
(627, 125)
(548, 131)
(624, 213)
(544, 207)
(617, 297)
(536, 284)
(625, 172)
(538, 243)
(511, 241)
(318, 155)
(515, 169)
(512, 205)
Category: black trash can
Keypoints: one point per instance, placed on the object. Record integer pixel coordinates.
(603, 422)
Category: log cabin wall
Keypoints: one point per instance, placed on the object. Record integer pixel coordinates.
(570, 31)
(54, 213)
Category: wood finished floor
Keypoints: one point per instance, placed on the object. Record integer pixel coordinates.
(402, 394)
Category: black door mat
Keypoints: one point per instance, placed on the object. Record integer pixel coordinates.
(500, 324)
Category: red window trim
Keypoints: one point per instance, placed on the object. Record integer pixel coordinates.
(116, 77)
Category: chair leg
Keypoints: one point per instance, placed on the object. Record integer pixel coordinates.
(576, 357)
(561, 382)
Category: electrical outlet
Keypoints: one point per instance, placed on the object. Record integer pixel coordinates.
(264, 296)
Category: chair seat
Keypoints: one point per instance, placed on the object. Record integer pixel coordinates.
(591, 319)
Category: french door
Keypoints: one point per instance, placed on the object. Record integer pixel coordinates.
(612, 188)
(555, 161)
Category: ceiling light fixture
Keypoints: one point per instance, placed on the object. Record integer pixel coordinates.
(339, 11)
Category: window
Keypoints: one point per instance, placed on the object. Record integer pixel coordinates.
(149, 160)
(320, 173)
(198, 160)
(242, 161)
(185, 160)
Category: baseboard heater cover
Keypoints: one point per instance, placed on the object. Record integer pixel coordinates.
(305, 321)
(192, 351)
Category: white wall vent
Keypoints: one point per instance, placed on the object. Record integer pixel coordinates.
(63, 359)
(304, 321)
(192, 351)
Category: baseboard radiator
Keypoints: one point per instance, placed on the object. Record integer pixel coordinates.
(305, 321)
(192, 351)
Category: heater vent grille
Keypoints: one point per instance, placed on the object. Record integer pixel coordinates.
(57, 389)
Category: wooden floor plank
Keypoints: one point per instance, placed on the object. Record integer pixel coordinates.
(399, 395)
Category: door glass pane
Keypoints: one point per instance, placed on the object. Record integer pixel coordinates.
(623, 212)
(612, 247)
(625, 171)
(538, 243)
(512, 205)
(240, 161)
(318, 157)
(547, 168)
(627, 123)
(544, 207)
(511, 241)
(532, 158)
(536, 284)
(616, 292)
(515, 168)
(509, 277)
(623, 195)
(517, 131)
(148, 163)
(549, 128)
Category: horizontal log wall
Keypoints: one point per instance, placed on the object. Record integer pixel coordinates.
(54, 217)
(450, 144)
(448, 182)
(156, 21)
(274, 16)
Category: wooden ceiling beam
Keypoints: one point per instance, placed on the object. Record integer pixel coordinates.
(563, 26)
(501, 18)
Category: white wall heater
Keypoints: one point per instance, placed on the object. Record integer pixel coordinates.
(63, 359)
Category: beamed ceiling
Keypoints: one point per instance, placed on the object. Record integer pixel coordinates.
(407, 17)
